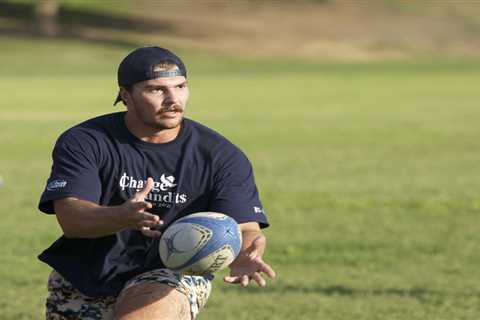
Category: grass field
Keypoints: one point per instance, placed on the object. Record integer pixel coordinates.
(369, 172)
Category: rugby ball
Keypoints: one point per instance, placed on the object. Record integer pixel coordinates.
(200, 243)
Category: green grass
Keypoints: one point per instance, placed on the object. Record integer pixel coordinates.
(116, 7)
(369, 173)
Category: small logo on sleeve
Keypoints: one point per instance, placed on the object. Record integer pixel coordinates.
(258, 210)
(56, 184)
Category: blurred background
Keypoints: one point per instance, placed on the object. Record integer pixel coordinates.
(360, 118)
(344, 30)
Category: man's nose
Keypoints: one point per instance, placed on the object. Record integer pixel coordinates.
(171, 96)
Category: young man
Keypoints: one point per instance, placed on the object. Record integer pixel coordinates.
(119, 179)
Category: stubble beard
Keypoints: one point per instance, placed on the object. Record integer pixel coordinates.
(159, 123)
(165, 124)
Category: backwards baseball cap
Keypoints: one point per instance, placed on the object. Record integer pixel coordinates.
(139, 65)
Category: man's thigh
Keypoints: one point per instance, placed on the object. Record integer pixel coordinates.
(162, 294)
(152, 301)
(66, 302)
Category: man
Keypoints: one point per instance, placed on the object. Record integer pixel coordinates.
(119, 179)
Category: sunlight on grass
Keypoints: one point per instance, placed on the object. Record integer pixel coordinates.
(369, 174)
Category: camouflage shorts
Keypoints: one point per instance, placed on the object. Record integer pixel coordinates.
(67, 303)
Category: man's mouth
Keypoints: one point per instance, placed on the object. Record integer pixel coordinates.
(171, 112)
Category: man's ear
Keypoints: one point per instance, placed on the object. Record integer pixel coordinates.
(125, 95)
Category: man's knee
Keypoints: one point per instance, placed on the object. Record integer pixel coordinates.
(152, 301)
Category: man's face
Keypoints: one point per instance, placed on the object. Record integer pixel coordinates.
(158, 103)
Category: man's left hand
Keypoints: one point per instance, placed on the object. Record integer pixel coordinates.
(249, 265)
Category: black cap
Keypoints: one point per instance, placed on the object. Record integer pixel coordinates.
(139, 65)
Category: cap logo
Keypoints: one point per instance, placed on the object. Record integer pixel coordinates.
(167, 73)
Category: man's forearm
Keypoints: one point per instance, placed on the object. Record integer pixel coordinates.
(248, 237)
(250, 232)
(84, 219)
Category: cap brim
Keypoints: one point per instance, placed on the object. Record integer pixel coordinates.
(118, 99)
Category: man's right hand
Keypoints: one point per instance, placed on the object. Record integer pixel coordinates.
(133, 210)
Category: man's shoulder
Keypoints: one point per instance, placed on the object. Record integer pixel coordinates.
(213, 143)
(95, 128)
(98, 125)
(209, 137)
(104, 121)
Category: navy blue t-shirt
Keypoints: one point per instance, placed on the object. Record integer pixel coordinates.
(100, 161)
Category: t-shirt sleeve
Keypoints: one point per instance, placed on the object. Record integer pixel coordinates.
(235, 192)
(74, 171)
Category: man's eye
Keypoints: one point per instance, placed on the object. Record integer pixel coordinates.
(156, 90)
(181, 86)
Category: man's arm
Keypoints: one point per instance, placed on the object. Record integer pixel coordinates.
(249, 264)
(85, 219)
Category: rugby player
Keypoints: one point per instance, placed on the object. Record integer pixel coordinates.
(119, 179)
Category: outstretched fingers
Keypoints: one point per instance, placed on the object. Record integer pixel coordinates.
(245, 280)
(148, 223)
(150, 232)
(265, 268)
(149, 220)
(142, 194)
(140, 206)
(134, 210)
(258, 269)
(230, 279)
(257, 277)
(242, 280)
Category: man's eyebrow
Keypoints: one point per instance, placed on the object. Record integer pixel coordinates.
(154, 86)
(158, 86)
